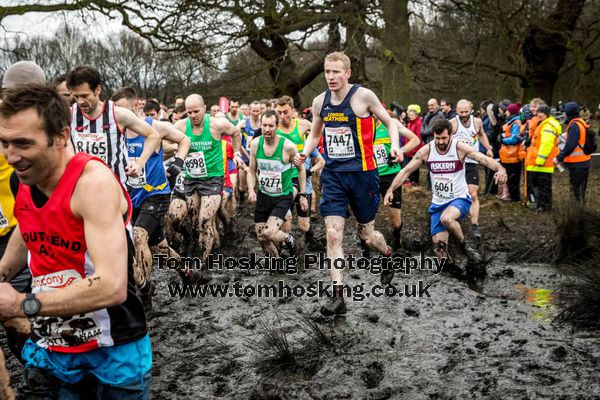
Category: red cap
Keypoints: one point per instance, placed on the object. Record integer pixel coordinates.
(513, 109)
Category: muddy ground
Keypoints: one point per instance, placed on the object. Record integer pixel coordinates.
(493, 339)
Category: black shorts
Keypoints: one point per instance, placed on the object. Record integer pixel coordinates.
(299, 212)
(267, 206)
(21, 282)
(150, 217)
(472, 173)
(204, 187)
(385, 181)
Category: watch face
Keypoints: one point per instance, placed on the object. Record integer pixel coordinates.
(30, 306)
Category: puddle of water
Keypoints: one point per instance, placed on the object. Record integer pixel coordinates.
(540, 298)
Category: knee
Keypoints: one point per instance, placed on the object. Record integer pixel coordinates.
(304, 224)
(334, 237)
(446, 220)
(267, 235)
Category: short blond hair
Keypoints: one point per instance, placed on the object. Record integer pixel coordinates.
(537, 101)
(339, 56)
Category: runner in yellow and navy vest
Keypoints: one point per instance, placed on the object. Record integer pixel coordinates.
(344, 113)
(150, 195)
(204, 171)
(271, 157)
(98, 128)
(387, 172)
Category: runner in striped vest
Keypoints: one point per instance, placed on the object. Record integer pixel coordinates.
(97, 128)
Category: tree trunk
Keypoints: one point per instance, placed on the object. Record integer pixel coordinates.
(545, 48)
(355, 21)
(397, 74)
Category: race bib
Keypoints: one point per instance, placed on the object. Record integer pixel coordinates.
(381, 156)
(94, 144)
(444, 188)
(57, 331)
(3, 219)
(270, 182)
(139, 181)
(195, 165)
(179, 182)
(339, 142)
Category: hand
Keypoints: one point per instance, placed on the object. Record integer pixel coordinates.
(308, 173)
(238, 161)
(251, 197)
(175, 168)
(389, 197)
(10, 302)
(299, 159)
(397, 155)
(133, 169)
(489, 152)
(303, 203)
(500, 176)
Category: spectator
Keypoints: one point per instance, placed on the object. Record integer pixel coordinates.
(575, 160)
(414, 124)
(448, 109)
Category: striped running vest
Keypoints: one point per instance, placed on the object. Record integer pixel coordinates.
(447, 173)
(58, 257)
(100, 137)
(348, 141)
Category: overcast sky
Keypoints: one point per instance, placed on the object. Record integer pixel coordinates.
(47, 23)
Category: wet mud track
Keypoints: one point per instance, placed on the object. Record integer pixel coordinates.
(493, 339)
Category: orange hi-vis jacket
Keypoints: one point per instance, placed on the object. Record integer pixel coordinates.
(578, 155)
(511, 154)
(543, 148)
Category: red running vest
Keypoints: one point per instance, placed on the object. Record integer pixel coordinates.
(58, 258)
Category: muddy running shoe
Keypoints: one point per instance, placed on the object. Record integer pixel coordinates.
(475, 231)
(290, 245)
(472, 254)
(334, 306)
(387, 274)
(313, 243)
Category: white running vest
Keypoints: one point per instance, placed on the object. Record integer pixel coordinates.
(447, 173)
(100, 137)
(467, 135)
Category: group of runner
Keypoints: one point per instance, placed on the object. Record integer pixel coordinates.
(88, 244)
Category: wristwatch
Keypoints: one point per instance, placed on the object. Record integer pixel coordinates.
(305, 195)
(31, 306)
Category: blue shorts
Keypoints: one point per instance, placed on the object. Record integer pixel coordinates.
(124, 368)
(359, 190)
(463, 205)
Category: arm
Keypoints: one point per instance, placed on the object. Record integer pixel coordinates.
(241, 127)
(483, 137)
(319, 164)
(15, 256)
(129, 120)
(374, 106)
(292, 152)
(313, 139)
(412, 139)
(464, 150)
(414, 164)
(251, 176)
(168, 132)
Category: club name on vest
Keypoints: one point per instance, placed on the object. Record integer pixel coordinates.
(53, 240)
(445, 167)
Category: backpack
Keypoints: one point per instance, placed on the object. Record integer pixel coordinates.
(590, 144)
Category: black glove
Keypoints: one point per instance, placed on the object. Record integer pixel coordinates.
(308, 173)
(176, 167)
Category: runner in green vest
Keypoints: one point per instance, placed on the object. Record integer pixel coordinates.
(295, 130)
(271, 157)
(204, 170)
